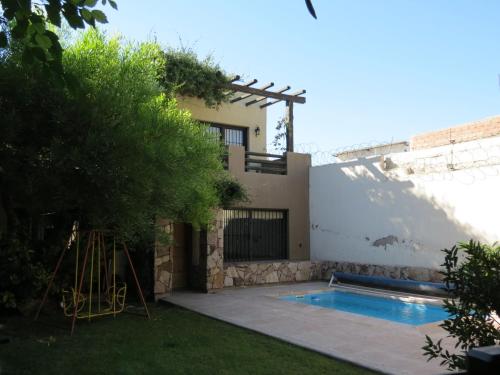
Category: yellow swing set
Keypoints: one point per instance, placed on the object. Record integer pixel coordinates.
(96, 290)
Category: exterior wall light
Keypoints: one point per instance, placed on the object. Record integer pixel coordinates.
(257, 131)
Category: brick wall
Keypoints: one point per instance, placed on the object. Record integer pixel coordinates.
(489, 127)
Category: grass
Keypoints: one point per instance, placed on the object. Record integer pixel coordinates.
(175, 341)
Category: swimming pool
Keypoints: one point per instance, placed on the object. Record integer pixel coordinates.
(394, 308)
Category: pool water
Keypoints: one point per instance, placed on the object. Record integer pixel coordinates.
(396, 309)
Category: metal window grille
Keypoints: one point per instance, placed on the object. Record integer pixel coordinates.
(229, 135)
(215, 132)
(234, 137)
(251, 234)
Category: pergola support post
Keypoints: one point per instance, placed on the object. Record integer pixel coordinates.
(289, 126)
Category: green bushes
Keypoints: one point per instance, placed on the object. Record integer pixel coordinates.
(20, 275)
(472, 274)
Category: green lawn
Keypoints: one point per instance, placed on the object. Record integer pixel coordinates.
(175, 341)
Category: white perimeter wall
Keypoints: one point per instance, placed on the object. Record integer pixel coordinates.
(422, 202)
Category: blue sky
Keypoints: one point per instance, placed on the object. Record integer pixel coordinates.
(374, 70)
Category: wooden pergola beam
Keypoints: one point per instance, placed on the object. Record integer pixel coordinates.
(286, 88)
(300, 92)
(252, 82)
(268, 94)
(270, 103)
(263, 94)
(270, 84)
(255, 101)
(240, 98)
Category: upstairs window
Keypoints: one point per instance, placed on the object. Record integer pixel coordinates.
(230, 135)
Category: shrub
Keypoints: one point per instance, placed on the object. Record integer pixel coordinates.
(21, 275)
(472, 276)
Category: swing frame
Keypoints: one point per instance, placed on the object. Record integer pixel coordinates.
(78, 305)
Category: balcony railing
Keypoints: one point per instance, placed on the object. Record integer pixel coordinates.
(265, 163)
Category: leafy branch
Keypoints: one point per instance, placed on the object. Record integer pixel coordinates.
(31, 24)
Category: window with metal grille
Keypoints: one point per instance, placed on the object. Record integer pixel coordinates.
(253, 234)
(229, 135)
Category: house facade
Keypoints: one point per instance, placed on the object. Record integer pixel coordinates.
(262, 240)
(387, 211)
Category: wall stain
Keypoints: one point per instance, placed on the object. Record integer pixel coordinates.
(384, 241)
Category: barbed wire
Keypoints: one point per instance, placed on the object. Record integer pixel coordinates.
(466, 162)
(322, 157)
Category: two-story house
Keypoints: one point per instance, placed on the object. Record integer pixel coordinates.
(271, 230)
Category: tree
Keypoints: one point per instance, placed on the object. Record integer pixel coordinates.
(30, 24)
(105, 146)
(472, 276)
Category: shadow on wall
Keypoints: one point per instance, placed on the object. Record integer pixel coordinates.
(359, 214)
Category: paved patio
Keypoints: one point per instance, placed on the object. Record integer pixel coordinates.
(372, 343)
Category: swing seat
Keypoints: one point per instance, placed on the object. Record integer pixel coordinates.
(116, 297)
(69, 302)
(114, 300)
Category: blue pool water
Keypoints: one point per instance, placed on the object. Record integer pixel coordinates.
(394, 309)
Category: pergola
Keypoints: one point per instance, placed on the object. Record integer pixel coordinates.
(259, 95)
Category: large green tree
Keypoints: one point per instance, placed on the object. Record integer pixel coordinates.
(107, 147)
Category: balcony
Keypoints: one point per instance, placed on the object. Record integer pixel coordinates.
(259, 162)
(259, 166)
(265, 163)
(276, 183)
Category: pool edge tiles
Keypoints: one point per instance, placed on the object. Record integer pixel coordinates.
(390, 308)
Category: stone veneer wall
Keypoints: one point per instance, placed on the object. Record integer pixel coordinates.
(255, 273)
(210, 273)
(214, 255)
(163, 265)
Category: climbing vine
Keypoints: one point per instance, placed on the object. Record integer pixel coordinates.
(187, 75)
(279, 141)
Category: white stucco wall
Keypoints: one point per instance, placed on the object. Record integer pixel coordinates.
(404, 215)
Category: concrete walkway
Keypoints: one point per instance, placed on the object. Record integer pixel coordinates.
(377, 344)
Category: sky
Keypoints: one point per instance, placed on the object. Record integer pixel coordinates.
(375, 71)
